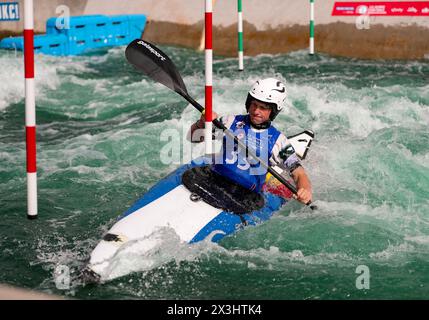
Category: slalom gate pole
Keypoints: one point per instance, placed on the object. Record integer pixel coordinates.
(240, 36)
(30, 109)
(311, 27)
(208, 77)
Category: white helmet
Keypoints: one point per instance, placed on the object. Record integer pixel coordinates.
(271, 91)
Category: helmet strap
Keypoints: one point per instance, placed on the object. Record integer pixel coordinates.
(264, 125)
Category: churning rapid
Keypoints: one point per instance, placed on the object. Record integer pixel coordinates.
(102, 131)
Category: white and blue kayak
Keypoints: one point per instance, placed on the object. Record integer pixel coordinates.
(194, 202)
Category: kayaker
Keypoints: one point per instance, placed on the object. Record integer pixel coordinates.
(264, 102)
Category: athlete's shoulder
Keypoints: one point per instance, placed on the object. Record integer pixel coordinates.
(280, 136)
(227, 120)
(281, 143)
(240, 117)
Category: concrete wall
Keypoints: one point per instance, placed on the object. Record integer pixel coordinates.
(271, 26)
(263, 14)
(43, 9)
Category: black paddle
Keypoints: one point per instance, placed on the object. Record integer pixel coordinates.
(157, 65)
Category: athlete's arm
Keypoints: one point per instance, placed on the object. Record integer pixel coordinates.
(284, 155)
(303, 185)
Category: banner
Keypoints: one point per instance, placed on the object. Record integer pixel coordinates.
(393, 8)
(9, 11)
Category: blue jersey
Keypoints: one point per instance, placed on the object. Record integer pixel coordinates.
(232, 162)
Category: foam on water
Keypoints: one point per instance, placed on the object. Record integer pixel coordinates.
(47, 75)
(100, 124)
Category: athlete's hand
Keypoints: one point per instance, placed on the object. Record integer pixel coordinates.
(303, 195)
(203, 117)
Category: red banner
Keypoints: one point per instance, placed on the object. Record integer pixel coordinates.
(393, 8)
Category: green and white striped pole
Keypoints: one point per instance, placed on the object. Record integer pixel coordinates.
(311, 26)
(240, 36)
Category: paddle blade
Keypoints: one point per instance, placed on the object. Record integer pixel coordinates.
(147, 58)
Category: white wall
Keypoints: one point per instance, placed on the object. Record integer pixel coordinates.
(261, 13)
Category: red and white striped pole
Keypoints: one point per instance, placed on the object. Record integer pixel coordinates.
(30, 110)
(209, 76)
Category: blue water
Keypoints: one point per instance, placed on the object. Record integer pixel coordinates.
(100, 125)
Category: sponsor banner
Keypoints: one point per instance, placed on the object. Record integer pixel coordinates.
(383, 8)
(9, 11)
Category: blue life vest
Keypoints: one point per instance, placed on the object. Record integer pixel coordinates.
(233, 164)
